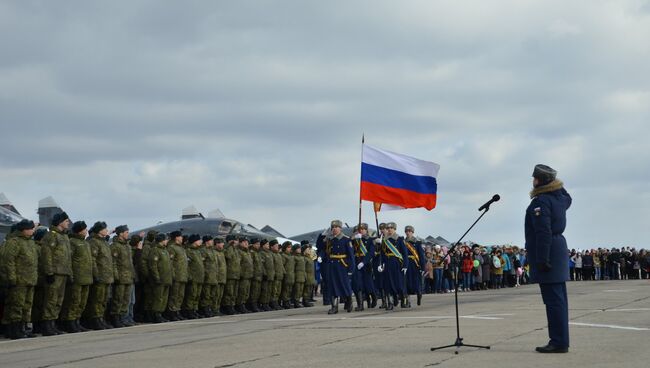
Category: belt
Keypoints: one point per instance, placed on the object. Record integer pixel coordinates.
(341, 258)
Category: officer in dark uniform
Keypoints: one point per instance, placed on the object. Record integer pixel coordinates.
(394, 265)
(417, 262)
(376, 261)
(362, 283)
(340, 262)
(547, 253)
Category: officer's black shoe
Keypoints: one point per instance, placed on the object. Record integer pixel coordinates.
(551, 349)
(81, 328)
(116, 321)
(420, 299)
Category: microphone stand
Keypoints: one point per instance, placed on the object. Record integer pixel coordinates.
(459, 340)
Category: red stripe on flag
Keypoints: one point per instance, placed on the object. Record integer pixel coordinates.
(397, 197)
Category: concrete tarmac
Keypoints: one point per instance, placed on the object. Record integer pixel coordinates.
(610, 327)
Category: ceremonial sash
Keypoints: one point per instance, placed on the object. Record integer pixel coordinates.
(393, 250)
(414, 253)
(361, 247)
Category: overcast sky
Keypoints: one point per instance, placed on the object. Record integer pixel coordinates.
(129, 111)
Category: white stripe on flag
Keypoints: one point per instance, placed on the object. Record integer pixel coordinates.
(399, 162)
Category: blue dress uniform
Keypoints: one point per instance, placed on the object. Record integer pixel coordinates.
(362, 282)
(323, 268)
(378, 276)
(547, 256)
(394, 258)
(417, 262)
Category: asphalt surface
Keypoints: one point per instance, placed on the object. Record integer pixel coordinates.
(610, 326)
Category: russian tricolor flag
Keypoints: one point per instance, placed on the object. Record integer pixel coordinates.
(398, 180)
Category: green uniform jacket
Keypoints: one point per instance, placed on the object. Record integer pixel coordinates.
(122, 262)
(233, 259)
(102, 260)
(82, 260)
(310, 271)
(289, 269)
(300, 268)
(278, 263)
(55, 254)
(143, 267)
(195, 267)
(20, 261)
(178, 255)
(268, 268)
(222, 266)
(160, 265)
(258, 266)
(210, 265)
(246, 264)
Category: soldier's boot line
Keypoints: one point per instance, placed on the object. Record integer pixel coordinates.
(69, 326)
(157, 318)
(296, 304)
(419, 298)
(359, 307)
(81, 328)
(178, 316)
(14, 330)
(116, 321)
(96, 324)
(335, 306)
(55, 326)
(107, 326)
(48, 328)
(348, 304)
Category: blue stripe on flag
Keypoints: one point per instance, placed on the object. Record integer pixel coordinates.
(397, 179)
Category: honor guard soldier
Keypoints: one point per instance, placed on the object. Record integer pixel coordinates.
(20, 273)
(76, 293)
(222, 274)
(547, 253)
(195, 277)
(178, 258)
(289, 275)
(310, 274)
(299, 283)
(233, 260)
(160, 276)
(278, 263)
(376, 261)
(57, 269)
(394, 265)
(103, 277)
(209, 291)
(258, 272)
(123, 277)
(324, 265)
(417, 262)
(340, 259)
(246, 276)
(362, 282)
(268, 275)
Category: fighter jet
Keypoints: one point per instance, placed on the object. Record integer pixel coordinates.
(9, 215)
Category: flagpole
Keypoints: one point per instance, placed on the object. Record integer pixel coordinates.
(363, 139)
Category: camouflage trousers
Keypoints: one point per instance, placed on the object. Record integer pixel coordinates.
(298, 288)
(208, 295)
(287, 289)
(244, 291)
(120, 299)
(18, 304)
(159, 297)
(218, 296)
(307, 291)
(176, 296)
(74, 302)
(266, 291)
(192, 295)
(53, 295)
(277, 290)
(230, 293)
(256, 291)
(97, 299)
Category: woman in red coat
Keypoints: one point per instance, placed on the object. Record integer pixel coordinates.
(466, 269)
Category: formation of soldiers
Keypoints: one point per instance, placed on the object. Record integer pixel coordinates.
(70, 279)
(387, 267)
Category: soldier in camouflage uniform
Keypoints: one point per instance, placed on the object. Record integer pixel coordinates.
(143, 266)
(299, 284)
(137, 296)
(268, 275)
(19, 267)
(310, 274)
(209, 291)
(222, 274)
(196, 275)
(76, 293)
(102, 267)
(160, 276)
(124, 274)
(289, 275)
(278, 263)
(57, 269)
(256, 281)
(233, 261)
(247, 270)
(37, 305)
(178, 257)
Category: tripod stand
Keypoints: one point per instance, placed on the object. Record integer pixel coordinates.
(459, 340)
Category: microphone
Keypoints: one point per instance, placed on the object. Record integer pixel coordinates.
(486, 205)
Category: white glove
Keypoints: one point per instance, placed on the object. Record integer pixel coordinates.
(358, 236)
(404, 270)
(380, 268)
(360, 266)
(320, 260)
(349, 273)
(378, 241)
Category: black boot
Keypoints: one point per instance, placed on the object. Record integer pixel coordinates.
(116, 321)
(335, 306)
(80, 327)
(48, 328)
(69, 326)
(178, 315)
(28, 332)
(157, 318)
(37, 327)
(389, 304)
(107, 326)
(127, 322)
(373, 300)
(419, 298)
(59, 329)
(383, 303)
(96, 324)
(307, 303)
(15, 331)
(359, 307)
(348, 304)
(296, 304)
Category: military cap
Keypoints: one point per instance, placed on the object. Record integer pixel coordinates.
(230, 238)
(243, 239)
(363, 225)
(39, 233)
(294, 247)
(161, 237)
(207, 238)
(391, 225)
(304, 246)
(273, 242)
(59, 218)
(79, 226)
(263, 242)
(409, 228)
(98, 226)
(218, 240)
(285, 245)
(185, 237)
(254, 240)
(175, 234)
(120, 229)
(151, 235)
(545, 174)
(336, 223)
(382, 226)
(135, 239)
(24, 225)
(193, 238)
(304, 242)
